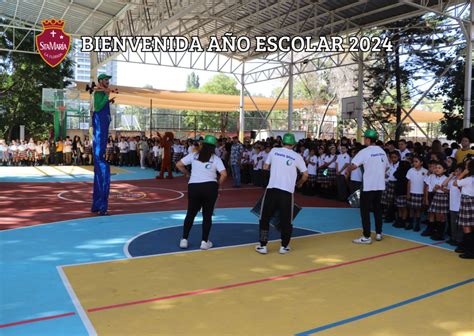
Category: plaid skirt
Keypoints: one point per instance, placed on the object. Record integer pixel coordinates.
(388, 195)
(440, 203)
(466, 211)
(177, 157)
(330, 175)
(416, 201)
(401, 201)
(312, 179)
(22, 155)
(319, 176)
(87, 150)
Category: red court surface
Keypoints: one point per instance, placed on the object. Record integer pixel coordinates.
(26, 204)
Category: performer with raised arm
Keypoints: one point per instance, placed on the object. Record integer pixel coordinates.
(100, 128)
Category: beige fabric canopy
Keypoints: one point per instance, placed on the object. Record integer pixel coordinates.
(197, 101)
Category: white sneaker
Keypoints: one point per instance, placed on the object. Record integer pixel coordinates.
(143, 167)
(362, 240)
(183, 243)
(284, 250)
(378, 237)
(206, 245)
(261, 249)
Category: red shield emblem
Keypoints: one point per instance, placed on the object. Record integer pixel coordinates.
(53, 43)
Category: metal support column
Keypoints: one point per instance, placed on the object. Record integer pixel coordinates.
(290, 95)
(360, 96)
(241, 107)
(469, 32)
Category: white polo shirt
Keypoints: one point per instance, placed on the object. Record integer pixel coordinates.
(341, 160)
(392, 168)
(132, 145)
(404, 153)
(435, 180)
(417, 180)
(202, 172)
(454, 196)
(328, 158)
(467, 186)
(375, 162)
(283, 170)
(312, 167)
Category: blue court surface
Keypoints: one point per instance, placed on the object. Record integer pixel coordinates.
(37, 298)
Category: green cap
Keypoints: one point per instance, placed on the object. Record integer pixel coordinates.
(289, 139)
(371, 134)
(210, 139)
(103, 76)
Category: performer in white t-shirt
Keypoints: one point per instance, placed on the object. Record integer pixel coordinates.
(375, 162)
(283, 164)
(202, 188)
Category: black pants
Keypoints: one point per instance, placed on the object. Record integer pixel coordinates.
(283, 201)
(200, 195)
(370, 201)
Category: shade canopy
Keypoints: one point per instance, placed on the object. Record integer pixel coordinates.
(197, 101)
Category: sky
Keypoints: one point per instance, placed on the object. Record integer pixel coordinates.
(170, 78)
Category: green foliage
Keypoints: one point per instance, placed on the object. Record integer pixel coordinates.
(219, 84)
(22, 78)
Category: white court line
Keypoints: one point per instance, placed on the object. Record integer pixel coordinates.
(80, 310)
(202, 251)
(181, 195)
(143, 213)
(422, 243)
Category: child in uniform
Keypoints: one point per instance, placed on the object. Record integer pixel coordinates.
(416, 183)
(440, 204)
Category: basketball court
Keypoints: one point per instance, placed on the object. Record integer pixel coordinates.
(78, 274)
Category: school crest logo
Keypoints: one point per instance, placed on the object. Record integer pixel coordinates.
(53, 43)
(289, 162)
(208, 166)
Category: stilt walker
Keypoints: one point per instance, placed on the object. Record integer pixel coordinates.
(100, 128)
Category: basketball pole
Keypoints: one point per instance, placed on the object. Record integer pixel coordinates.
(360, 96)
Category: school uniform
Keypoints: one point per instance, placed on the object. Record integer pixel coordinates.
(466, 215)
(312, 169)
(265, 173)
(454, 206)
(202, 191)
(440, 202)
(284, 166)
(331, 174)
(388, 197)
(257, 169)
(374, 160)
(320, 178)
(341, 183)
(466, 208)
(417, 182)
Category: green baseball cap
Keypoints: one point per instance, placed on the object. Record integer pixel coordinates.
(371, 134)
(103, 76)
(289, 139)
(210, 139)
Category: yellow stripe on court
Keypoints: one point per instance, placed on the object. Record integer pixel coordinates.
(275, 307)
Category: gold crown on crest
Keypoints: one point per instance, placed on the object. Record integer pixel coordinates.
(53, 24)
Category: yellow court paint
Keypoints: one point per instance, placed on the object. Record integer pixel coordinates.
(280, 307)
(113, 169)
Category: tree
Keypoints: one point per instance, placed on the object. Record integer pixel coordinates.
(22, 77)
(219, 84)
(192, 82)
(399, 73)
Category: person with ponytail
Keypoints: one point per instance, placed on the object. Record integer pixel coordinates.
(207, 174)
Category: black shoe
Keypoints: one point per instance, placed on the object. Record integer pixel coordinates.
(103, 213)
(467, 256)
(428, 231)
(437, 237)
(409, 226)
(417, 227)
(459, 249)
(399, 224)
(452, 242)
